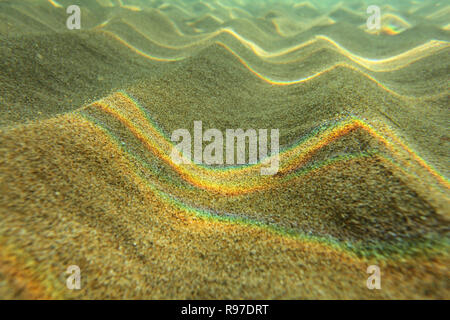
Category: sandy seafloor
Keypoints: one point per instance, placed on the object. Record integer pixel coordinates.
(86, 176)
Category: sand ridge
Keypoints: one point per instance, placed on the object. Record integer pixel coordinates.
(86, 176)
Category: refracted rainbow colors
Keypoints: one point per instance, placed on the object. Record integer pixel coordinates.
(229, 180)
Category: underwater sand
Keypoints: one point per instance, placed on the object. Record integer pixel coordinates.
(86, 177)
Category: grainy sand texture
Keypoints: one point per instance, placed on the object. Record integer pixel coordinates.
(87, 177)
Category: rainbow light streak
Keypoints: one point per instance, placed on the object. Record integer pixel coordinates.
(55, 4)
